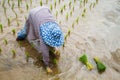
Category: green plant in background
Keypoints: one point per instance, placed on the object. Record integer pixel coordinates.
(0, 50)
(1, 27)
(8, 21)
(55, 3)
(84, 60)
(14, 53)
(66, 16)
(41, 3)
(27, 56)
(51, 7)
(100, 66)
(27, 6)
(77, 20)
(5, 41)
(13, 31)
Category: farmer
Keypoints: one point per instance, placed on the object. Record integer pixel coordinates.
(41, 26)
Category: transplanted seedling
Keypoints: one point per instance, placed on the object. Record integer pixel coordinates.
(51, 7)
(67, 16)
(74, 1)
(56, 14)
(61, 10)
(13, 31)
(41, 3)
(84, 10)
(46, 1)
(8, 21)
(1, 27)
(27, 56)
(5, 41)
(59, 1)
(0, 50)
(77, 20)
(14, 53)
(70, 4)
(13, 4)
(27, 6)
(83, 14)
(69, 31)
(55, 3)
(64, 6)
(3, 4)
(73, 8)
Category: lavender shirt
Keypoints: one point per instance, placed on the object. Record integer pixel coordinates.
(38, 16)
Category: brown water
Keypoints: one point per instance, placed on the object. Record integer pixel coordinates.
(96, 34)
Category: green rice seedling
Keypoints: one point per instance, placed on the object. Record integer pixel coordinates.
(71, 13)
(41, 3)
(64, 6)
(85, 61)
(90, 6)
(56, 14)
(73, 8)
(86, 1)
(66, 37)
(63, 45)
(51, 7)
(0, 50)
(69, 31)
(16, 15)
(84, 10)
(77, 20)
(8, 21)
(18, 3)
(1, 27)
(74, 1)
(25, 17)
(30, 1)
(55, 3)
(5, 10)
(96, 1)
(46, 1)
(100, 66)
(5, 41)
(13, 4)
(70, 3)
(67, 16)
(9, 2)
(13, 31)
(55, 61)
(14, 53)
(73, 25)
(61, 10)
(83, 14)
(3, 4)
(94, 5)
(27, 6)
(18, 24)
(59, 1)
(27, 56)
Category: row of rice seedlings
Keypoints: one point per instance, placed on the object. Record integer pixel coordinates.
(0, 50)
(13, 53)
(77, 20)
(51, 7)
(5, 41)
(55, 3)
(41, 3)
(1, 27)
(13, 31)
(27, 56)
(67, 16)
(27, 6)
(8, 21)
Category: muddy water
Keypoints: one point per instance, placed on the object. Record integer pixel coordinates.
(96, 34)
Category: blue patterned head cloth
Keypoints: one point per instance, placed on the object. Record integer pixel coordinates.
(51, 34)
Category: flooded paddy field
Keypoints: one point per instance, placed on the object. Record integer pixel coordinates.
(93, 27)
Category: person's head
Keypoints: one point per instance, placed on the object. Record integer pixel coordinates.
(51, 34)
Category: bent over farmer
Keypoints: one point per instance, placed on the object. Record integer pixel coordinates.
(42, 26)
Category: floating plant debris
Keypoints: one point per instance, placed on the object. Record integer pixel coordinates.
(100, 66)
(84, 60)
(14, 53)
